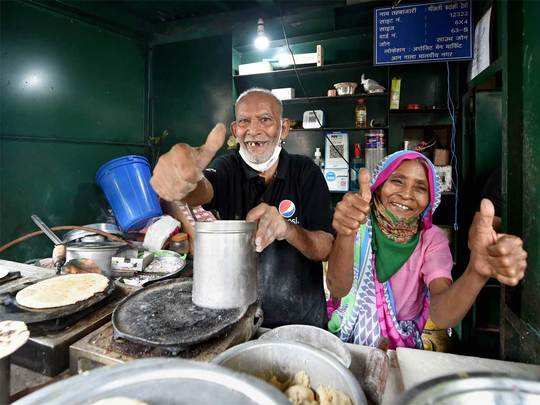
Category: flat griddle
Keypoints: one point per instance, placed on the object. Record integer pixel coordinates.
(163, 315)
(10, 309)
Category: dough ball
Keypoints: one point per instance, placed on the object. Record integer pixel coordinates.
(301, 378)
(330, 396)
(276, 383)
(297, 394)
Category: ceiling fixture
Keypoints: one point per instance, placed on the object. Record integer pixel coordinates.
(261, 41)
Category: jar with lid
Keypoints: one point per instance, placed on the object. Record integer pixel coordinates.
(179, 243)
(360, 114)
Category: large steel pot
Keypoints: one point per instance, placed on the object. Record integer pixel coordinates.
(224, 265)
(160, 381)
(264, 359)
(100, 252)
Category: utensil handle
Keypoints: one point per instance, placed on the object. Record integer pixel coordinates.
(46, 230)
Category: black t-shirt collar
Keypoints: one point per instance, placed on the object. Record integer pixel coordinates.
(281, 172)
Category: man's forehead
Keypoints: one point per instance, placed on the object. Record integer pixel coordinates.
(258, 101)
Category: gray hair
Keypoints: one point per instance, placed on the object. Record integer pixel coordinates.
(260, 90)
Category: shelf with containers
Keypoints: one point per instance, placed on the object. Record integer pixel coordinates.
(347, 55)
(344, 60)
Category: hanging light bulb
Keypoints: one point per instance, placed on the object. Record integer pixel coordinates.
(261, 41)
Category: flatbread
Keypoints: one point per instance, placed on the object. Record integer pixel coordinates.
(13, 334)
(61, 291)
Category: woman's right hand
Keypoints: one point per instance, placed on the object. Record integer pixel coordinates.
(353, 210)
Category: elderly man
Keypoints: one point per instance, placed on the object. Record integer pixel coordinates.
(285, 194)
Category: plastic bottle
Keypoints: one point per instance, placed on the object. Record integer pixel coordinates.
(360, 114)
(356, 164)
(318, 158)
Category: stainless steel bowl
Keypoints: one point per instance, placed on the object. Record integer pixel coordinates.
(160, 381)
(264, 359)
(312, 336)
(474, 388)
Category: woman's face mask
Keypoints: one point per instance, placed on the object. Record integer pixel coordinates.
(406, 192)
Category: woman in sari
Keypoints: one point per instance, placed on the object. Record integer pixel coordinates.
(391, 266)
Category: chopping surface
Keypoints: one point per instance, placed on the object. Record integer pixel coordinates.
(164, 315)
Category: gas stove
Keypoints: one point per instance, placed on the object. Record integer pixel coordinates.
(101, 348)
(47, 349)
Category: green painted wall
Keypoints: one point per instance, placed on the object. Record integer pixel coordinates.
(192, 91)
(72, 97)
(530, 299)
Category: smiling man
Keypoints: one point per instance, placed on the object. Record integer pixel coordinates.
(285, 194)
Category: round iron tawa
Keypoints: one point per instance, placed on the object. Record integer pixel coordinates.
(10, 309)
(164, 315)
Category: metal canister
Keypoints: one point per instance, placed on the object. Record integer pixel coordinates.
(224, 265)
(100, 252)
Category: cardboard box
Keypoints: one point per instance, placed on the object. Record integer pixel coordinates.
(285, 93)
(254, 68)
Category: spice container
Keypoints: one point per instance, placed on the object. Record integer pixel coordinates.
(179, 243)
(360, 114)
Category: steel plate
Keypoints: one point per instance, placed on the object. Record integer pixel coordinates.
(160, 381)
(163, 315)
(475, 388)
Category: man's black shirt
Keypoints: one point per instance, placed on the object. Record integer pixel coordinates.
(291, 285)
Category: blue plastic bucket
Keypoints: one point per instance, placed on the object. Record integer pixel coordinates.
(126, 184)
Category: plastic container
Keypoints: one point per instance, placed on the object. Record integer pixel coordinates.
(126, 184)
(179, 243)
(356, 165)
(360, 114)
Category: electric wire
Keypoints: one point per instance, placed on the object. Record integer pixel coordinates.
(310, 101)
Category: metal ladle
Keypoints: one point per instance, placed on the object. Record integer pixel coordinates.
(59, 251)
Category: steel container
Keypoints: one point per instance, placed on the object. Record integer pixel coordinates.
(224, 265)
(264, 359)
(474, 388)
(100, 252)
(312, 336)
(160, 381)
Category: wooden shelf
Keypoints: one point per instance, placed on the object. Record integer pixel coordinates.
(420, 111)
(334, 129)
(309, 69)
(300, 100)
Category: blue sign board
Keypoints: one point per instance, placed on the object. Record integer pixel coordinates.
(438, 31)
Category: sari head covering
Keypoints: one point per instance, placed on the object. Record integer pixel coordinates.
(368, 312)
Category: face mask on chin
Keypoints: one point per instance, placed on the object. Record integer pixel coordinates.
(262, 167)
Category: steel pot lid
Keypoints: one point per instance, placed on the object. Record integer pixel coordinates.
(225, 227)
(95, 246)
(79, 233)
(160, 381)
(474, 388)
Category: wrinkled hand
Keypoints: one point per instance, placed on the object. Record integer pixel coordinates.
(495, 255)
(179, 170)
(270, 225)
(353, 210)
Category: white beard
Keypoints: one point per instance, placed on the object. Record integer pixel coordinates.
(251, 161)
